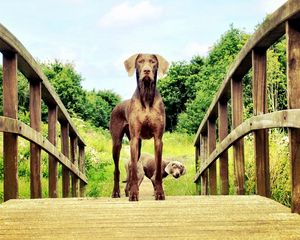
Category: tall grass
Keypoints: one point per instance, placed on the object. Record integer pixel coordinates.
(99, 164)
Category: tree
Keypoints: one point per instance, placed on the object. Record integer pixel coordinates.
(210, 77)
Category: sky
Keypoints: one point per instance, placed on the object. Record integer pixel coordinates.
(97, 36)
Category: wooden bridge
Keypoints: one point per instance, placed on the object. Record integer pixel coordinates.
(188, 217)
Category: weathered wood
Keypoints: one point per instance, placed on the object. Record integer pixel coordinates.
(52, 162)
(65, 151)
(33, 72)
(261, 137)
(293, 85)
(223, 132)
(10, 125)
(196, 217)
(268, 33)
(197, 164)
(238, 147)
(211, 147)
(203, 156)
(82, 169)
(280, 119)
(35, 150)
(74, 155)
(10, 140)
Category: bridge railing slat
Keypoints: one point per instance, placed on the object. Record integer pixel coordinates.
(16, 57)
(253, 55)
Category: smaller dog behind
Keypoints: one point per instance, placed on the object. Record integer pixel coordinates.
(146, 167)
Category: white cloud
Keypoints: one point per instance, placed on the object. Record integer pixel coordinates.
(193, 48)
(269, 6)
(125, 14)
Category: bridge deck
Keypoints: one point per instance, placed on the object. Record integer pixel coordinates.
(193, 217)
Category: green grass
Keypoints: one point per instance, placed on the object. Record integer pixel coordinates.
(100, 167)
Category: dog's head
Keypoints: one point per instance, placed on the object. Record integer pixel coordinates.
(147, 66)
(175, 168)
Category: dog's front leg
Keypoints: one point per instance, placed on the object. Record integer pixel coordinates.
(134, 188)
(159, 192)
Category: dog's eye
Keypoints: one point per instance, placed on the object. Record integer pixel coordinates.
(152, 61)
(141, 61)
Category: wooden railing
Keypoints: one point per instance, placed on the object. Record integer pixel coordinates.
(71, 156)
(286, 20)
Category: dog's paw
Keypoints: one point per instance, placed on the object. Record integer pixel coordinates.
(116, 194)
(159, 196)
(133, 197)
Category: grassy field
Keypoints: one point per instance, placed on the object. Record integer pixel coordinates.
(99, 164)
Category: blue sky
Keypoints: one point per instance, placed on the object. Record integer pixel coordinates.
(97, 36)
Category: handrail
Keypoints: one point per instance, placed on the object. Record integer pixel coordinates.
(71, 156)
(285, 20)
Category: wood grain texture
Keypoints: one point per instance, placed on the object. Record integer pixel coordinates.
(223, 132)
(35, 150)
(212, 170)
(238, 146)
(190, 217)
(203, 159)
(293, 85)
(280, 119)
(260, 106)
(52, 162)
(10, 140)
(74, 155)
(65, 149)
(10, 125)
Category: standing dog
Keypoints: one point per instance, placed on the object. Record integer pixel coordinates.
(141, 117)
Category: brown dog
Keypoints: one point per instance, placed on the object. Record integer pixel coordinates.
(141, 117)
(146, 167)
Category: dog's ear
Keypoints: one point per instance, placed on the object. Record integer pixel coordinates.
(168, 168)
(130, 64)
(182, 170)
(163, 65)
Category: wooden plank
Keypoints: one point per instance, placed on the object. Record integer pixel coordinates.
(197, 166)
(65, 151)
(293, 85)
(223, 132)
(211, 147)
(238, 147)
(268, 33)
(52, 162)
(74, 160)
(10, 125)
(81, 160)
(10, 140)
(260, 106)
(203, 156)
(196, 217)
(35, 150)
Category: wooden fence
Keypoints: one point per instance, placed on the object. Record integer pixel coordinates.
(71, 156)
(285, 21)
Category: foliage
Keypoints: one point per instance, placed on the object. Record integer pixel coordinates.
(210, 77)
(178, 87)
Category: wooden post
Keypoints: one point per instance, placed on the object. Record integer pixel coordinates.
(52, 167)
(223, 132)
(65, 151)
(211, 126)
(203, 156)
(197, 164)
(293, 83)
(238, 147)
(82, 169)
(35, 150)
(74, 144)
(261, 137)
(10, 141)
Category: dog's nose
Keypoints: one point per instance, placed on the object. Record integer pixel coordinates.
(177, 175)
(147, 71)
